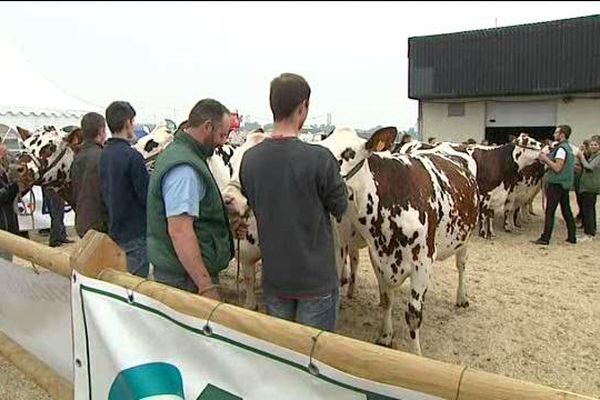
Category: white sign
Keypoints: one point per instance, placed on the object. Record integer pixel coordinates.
(35, 312)
(128, 346)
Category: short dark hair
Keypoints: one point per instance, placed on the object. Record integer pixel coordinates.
(205, 110)
(288, 91)
(471, 141)
(117, 114)
(91, 123)
(431, 139)
(566, 129)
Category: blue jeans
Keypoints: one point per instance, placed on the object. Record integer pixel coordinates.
(318, 312)
(180, 282)
(137, 257)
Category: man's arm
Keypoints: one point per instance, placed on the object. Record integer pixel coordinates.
(594, 164)
(331, 187)
(183, 190)
(557, 164)
(181, 231)
(139, 177)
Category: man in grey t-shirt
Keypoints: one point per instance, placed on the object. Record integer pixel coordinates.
(293, 187)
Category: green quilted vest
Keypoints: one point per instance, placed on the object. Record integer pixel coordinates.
(211, 227)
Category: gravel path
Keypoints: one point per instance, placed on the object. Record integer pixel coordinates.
(15, 385)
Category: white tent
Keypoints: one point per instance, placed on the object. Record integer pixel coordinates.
(29, 100)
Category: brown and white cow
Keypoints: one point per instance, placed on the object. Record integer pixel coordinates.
(499, 170)
(411, 211)
(46, 159)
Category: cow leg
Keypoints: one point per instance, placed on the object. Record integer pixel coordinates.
(461, 263)
(387, 302)
(517, 217)
(380, 282)
(353, 254)
(419, 281)
(508, 220)
(490, 233)
(249, 269)
(486, 217)
(345, 276)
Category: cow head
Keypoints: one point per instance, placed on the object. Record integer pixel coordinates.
(153, 143)
(351, 151)
(235, 201)
(46, 158)
(526, 151)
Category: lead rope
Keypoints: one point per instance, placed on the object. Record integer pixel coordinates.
(237, 275)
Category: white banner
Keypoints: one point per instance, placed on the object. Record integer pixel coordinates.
(35, 312)
(141, 349)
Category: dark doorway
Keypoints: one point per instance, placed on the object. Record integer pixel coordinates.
(499, 135)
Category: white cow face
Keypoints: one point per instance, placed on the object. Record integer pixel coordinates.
(526, 151)
(351, 151)
(155, 142)
(235, 201)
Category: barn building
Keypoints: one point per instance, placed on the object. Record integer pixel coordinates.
(495, 82)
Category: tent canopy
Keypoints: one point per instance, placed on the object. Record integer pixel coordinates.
(28, 99)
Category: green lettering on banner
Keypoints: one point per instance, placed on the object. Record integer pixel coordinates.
(147, 380)
(211, 392)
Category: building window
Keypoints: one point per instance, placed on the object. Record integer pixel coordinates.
(456, 109)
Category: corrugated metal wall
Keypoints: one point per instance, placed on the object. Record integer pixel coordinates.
(543, 58)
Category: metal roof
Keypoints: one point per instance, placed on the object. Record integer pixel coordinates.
(542, 58)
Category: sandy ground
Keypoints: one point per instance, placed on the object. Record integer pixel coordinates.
(534, 314)
(534, 311)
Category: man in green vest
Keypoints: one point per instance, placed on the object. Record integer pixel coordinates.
(561, 165)
(189, 236)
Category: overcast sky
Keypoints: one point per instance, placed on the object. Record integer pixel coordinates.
(163, 57)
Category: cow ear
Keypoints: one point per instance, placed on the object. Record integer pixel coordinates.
(24, 133)
(74, 139)
(382, 140)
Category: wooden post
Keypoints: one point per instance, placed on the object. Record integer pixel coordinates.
(95, 252)
(44, 256)
(360, 359)
(351, 356)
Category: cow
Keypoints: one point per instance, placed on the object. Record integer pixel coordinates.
(528, 185)
(46, 159)
(499, 170)
(411, 210)
(38, 165)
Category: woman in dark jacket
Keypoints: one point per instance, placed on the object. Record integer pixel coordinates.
(8, 192)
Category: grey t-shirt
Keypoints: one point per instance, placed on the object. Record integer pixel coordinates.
(293, 187)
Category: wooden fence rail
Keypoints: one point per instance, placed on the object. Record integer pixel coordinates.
(98, 257)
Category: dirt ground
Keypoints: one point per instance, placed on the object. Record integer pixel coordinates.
(534, 311)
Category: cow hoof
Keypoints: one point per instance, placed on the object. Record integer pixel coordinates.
(385, 340)
(463, 304)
